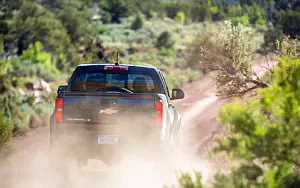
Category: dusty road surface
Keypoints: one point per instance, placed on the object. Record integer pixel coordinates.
(27, 167)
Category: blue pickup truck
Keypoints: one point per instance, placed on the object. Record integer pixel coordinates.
(108, 110)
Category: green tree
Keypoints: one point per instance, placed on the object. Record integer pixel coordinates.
(117, 8)
(75, 18)
(264, 132)
(137, 23)
(32, 23)
(200, 11)
(165, 40)
(172, 8)
(256, 15)
(288, 21)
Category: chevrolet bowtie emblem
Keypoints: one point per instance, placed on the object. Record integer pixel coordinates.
(108, 111)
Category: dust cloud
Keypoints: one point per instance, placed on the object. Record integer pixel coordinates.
(29, 168)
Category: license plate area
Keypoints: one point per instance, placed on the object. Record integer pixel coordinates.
(108, 139)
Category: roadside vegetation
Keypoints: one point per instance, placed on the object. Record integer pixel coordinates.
(41, 42)
(261, 140)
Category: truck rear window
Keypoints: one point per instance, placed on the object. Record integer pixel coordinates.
(103, 80)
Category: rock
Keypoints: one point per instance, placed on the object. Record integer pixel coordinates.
(41, 85)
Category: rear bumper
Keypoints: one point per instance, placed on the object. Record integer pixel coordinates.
(83, 138)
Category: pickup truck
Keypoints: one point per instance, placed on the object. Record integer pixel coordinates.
(108, 110)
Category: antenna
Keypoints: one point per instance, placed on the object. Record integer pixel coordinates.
(117, 63)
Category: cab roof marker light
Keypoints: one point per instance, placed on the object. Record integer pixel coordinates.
(114, 67)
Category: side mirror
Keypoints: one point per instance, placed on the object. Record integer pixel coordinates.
(61, 89)
(177, 94)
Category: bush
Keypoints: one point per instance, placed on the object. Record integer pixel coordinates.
(240, 20)
(137, 23)
(270, 37)
(228, 54)
(256, 15)
(118, 9)
(106, 17)
(5, 134)
(265, 133)
(164, 40)
(289, 21)
(167, 52)
(180, 16)
(172, 8)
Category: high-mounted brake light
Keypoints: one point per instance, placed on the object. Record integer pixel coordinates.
(116, 68)
(59, 105)
(158, 112)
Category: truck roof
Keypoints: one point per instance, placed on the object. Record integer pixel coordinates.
(129, 65)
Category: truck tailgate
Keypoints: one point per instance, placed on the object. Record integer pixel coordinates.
(108, 108)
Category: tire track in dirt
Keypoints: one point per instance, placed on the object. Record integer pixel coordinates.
(199, 110)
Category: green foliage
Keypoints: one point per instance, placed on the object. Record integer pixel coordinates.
(264, 132)
(200, 12)
(172, 9)
(228, 54)
(289, 21)
(270, 37)
(288, 47)
(240, 20)
(164, 40)
(35, 54)
(256, 15)
(4, 80)
(32, 23)
(213, 9)
(5, 134)
(75, 19)
(186, 181)
(20, 109)
(180, 16)
(106, 18)
(137, 23)
(116, 8)
(235, 11)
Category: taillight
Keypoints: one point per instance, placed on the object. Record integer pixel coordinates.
(158, 112)
(59, 105)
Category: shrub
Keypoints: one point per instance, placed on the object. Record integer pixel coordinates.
(265, 133)
(118, 9)
(180, 16)
(288, 47)
(164, 40)
(5, 134)
(137, 23)
(228, 54)
(105, 17)
(167, 52)
(256, 15)
(270, 37)
(289, 21)
(240, 20)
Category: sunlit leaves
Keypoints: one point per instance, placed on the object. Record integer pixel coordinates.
(267, 130)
